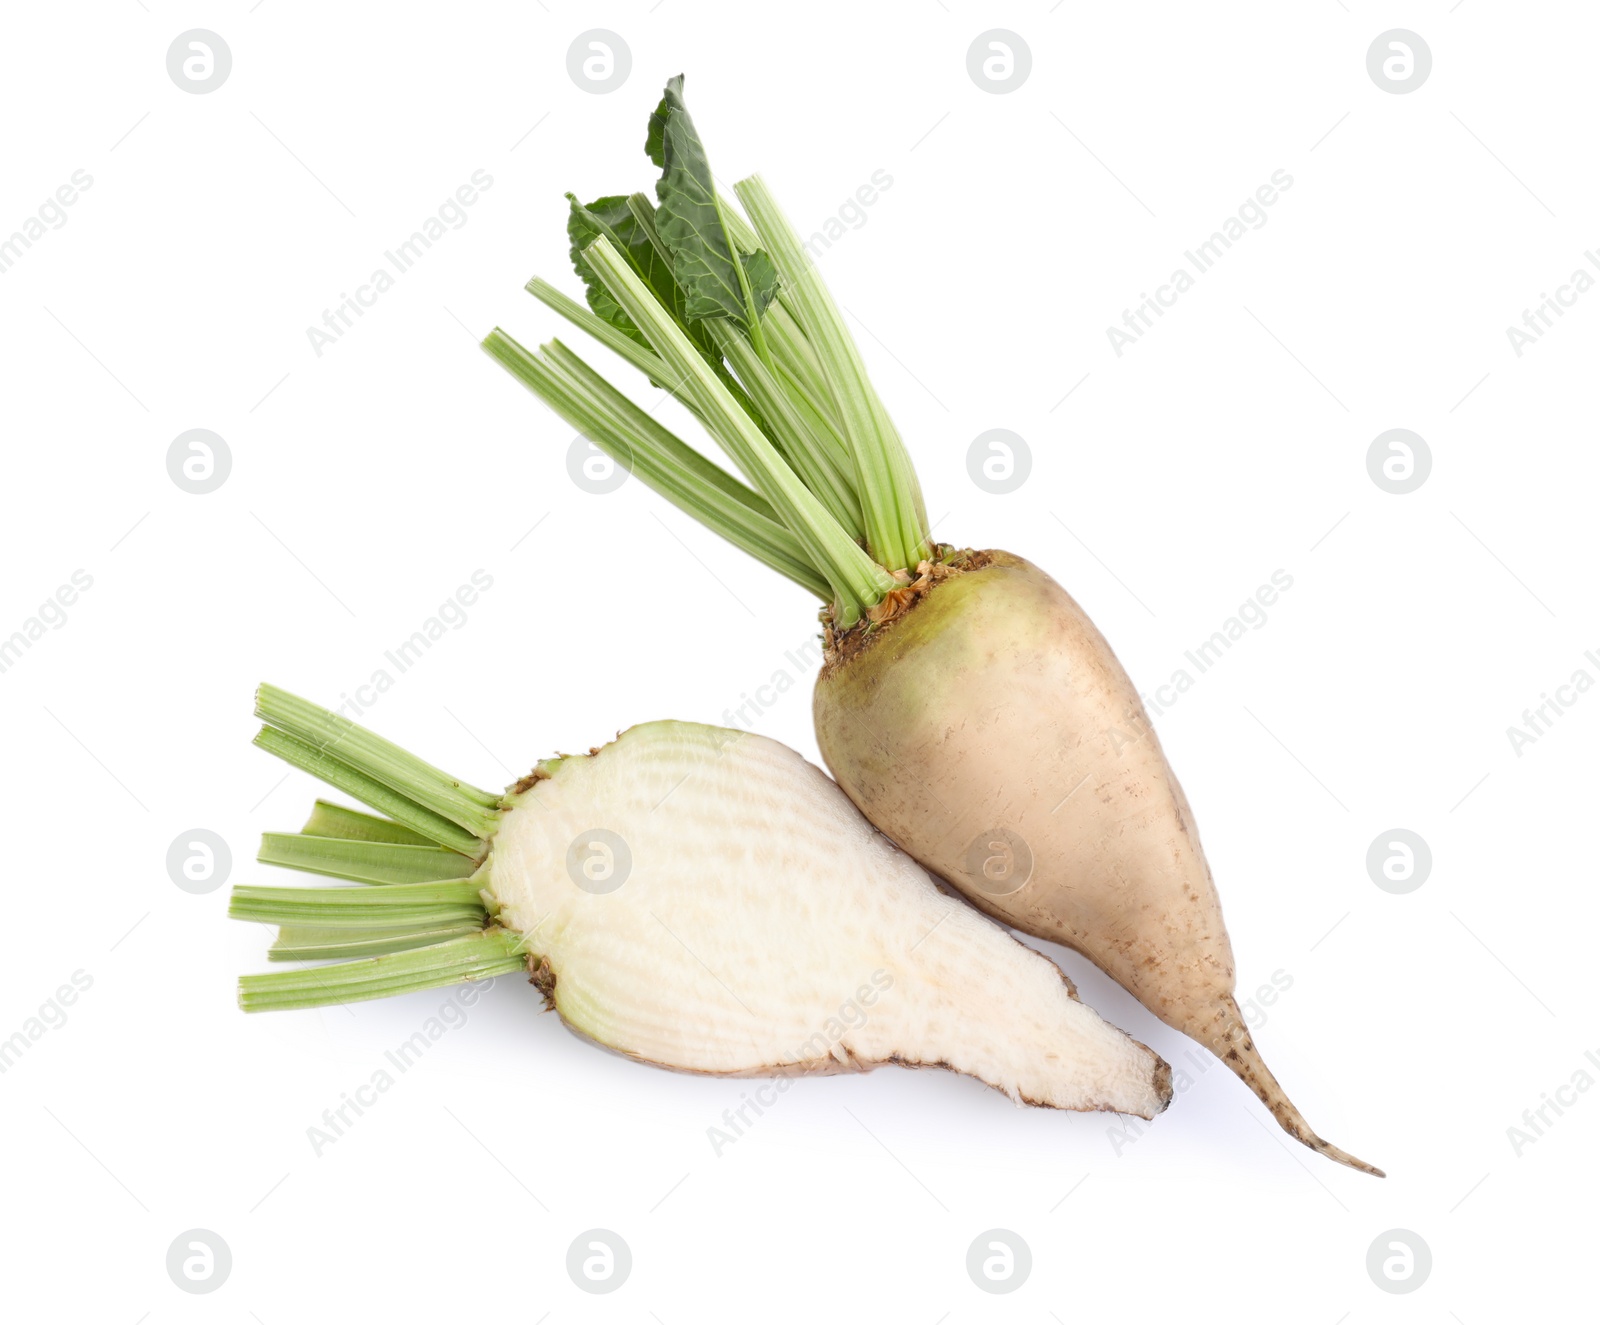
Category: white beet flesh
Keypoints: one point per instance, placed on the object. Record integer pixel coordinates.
(763, 926)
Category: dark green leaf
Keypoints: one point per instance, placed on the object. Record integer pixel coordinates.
(630, 235)
(688, 220)
(653, 145)
(584, 225)
(762, 278)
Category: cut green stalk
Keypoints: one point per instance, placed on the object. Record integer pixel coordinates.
(784, 357)
(744, 238)
(857, 581)
(428, 895)
(671, 451)
(363, 862)
(466, 806)
(514, 357)
(798, 365)
(736, 324)
(644, 212)
(618, 338)
(482, 956)
(330, 820)
(776, 547)
(747, 241)
(909, 487)
(891, 498)
(806, 447)
(454, 900)
(613, 217)
(388, 762)
(752, 327)
(353, 782)
(645, 215)
(636, 441)
(833, 453)
(614, 419)
(312, 943)
(617, 341)
(797, 370)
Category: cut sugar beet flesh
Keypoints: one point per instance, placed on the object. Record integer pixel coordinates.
(689, 896)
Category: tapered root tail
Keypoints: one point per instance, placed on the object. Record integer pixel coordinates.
(1229, 1038)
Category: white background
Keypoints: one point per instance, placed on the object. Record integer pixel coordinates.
(369, 482)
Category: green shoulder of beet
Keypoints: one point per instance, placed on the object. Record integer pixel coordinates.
(966, 702)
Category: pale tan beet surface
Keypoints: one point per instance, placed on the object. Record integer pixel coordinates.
(991, 732)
